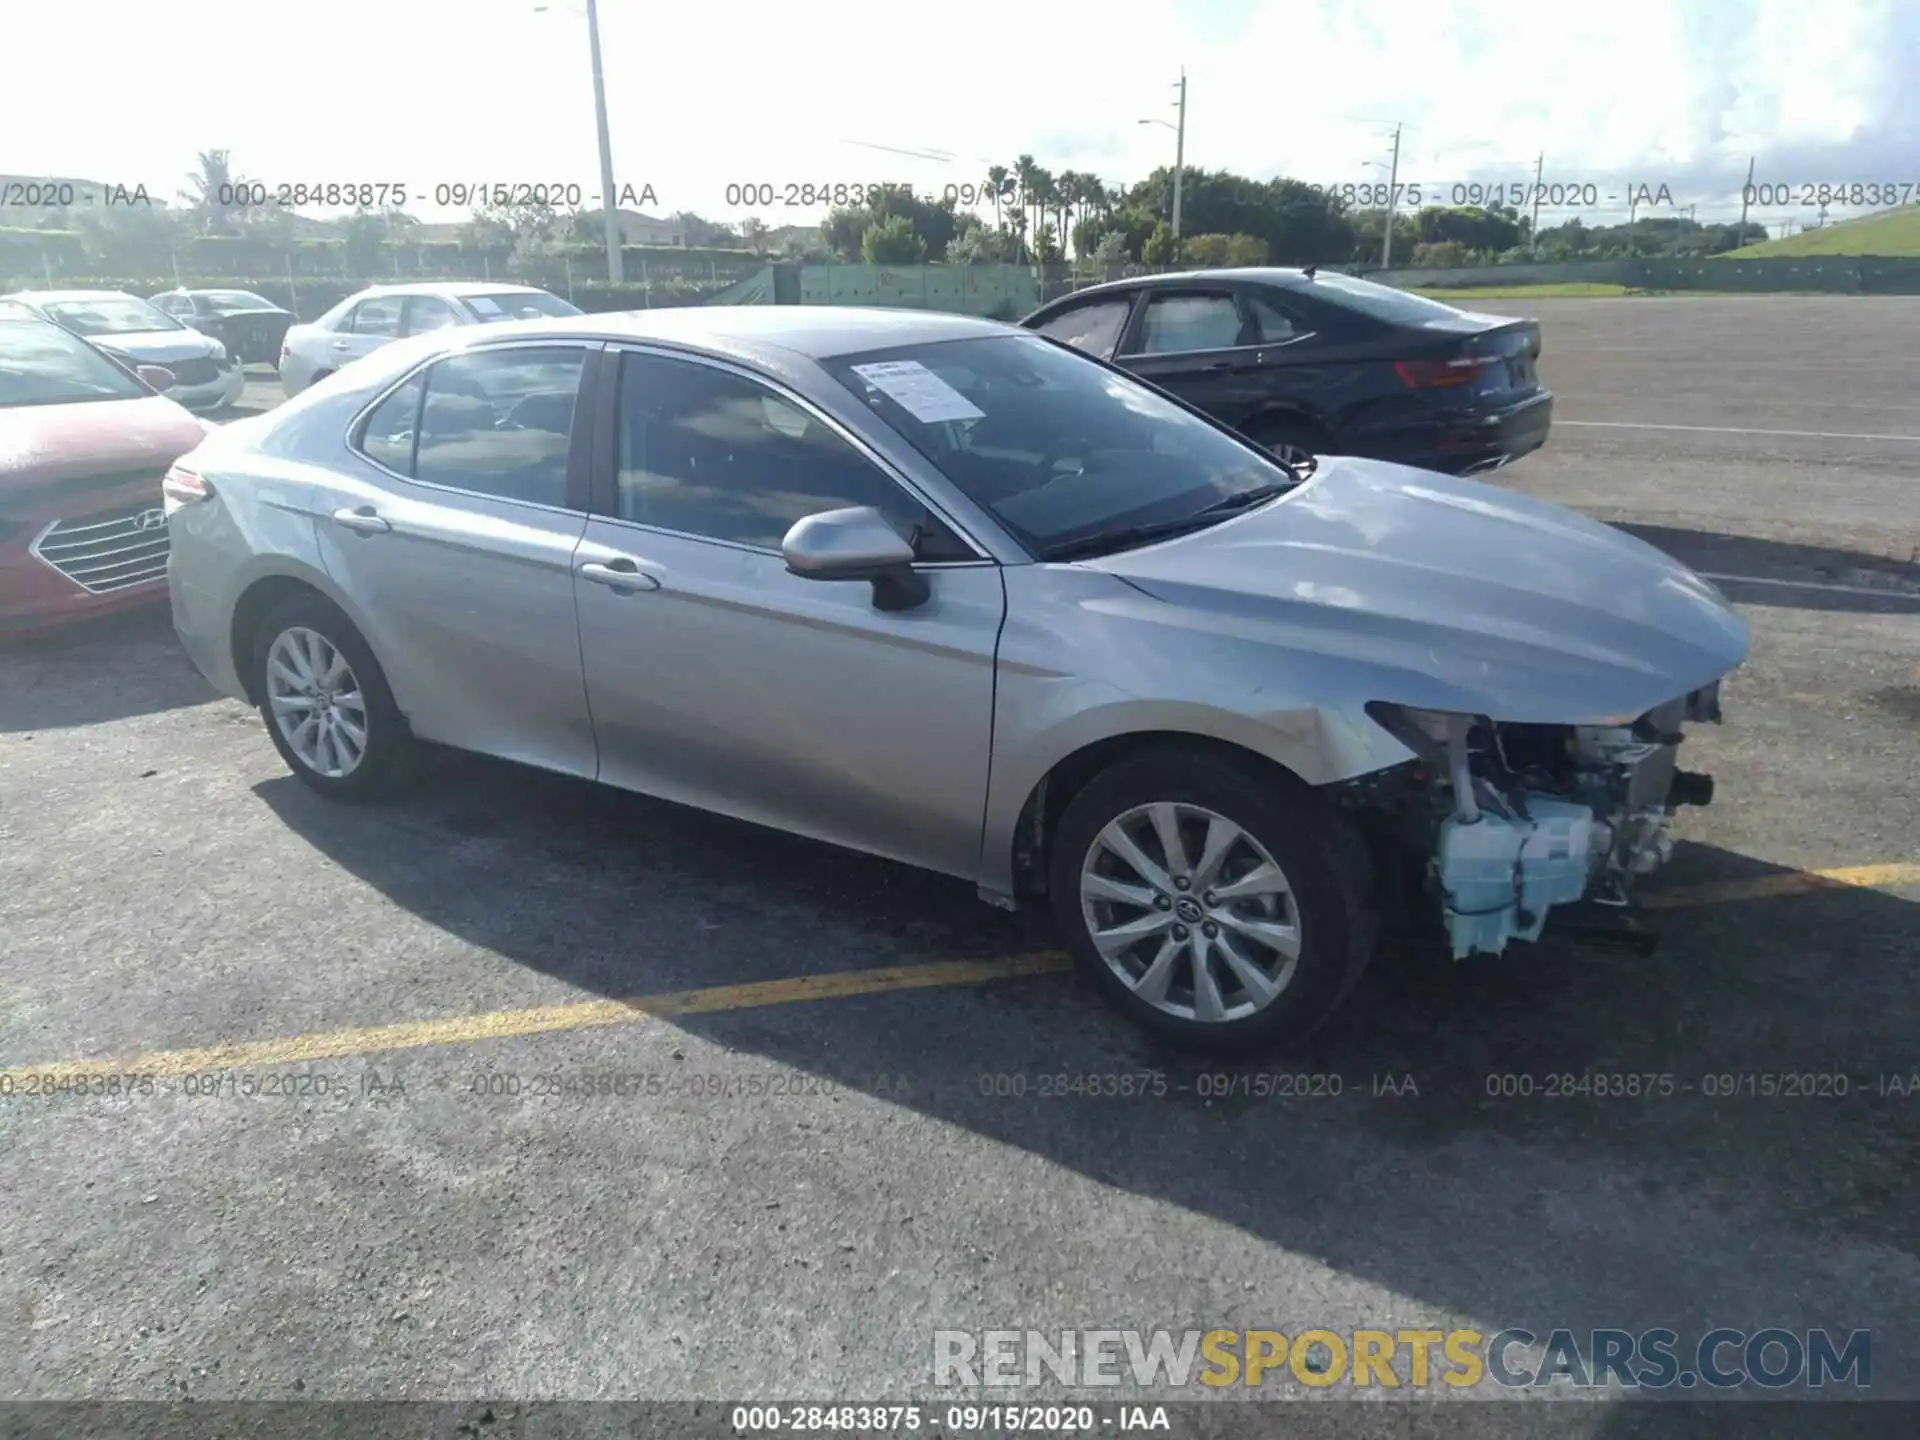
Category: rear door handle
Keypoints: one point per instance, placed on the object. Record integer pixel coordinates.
(620, 574)
(363, 520)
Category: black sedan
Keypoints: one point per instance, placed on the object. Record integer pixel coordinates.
(1310, 362)
(249, 325)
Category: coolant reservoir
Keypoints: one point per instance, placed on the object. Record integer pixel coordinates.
(1499, 877)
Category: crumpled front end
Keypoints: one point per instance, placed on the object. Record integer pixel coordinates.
(1528, 818)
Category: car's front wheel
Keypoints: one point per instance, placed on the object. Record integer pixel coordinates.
(326, 702)
(1218, 904)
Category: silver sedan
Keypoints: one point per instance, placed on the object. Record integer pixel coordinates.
(948, 592)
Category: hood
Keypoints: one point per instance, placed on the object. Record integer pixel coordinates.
(157, 347)
(1468, 597)
(50, 444)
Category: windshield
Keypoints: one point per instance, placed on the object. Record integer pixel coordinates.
(1060, 449)
(41, 364)
(1382, 302)
(519, 305)
(110, 315)
(236, 302)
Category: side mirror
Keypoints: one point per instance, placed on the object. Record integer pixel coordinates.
(158, 376)
(856, 544)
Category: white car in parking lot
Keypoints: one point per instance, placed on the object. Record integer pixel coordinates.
(380, 314)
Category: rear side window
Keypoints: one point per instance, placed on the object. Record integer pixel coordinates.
(1094, 327)
(1177, 323)
(378, 316)
(1271, 324)
(494, 422)
(387, 436)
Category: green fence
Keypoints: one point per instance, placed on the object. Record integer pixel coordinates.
(1825, 274)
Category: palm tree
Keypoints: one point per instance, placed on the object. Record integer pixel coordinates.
(998, 179)
(1025, 175)
(1066, 194)
(208, 185)
(1041, 199)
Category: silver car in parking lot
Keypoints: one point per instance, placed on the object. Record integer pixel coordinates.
(945, 591)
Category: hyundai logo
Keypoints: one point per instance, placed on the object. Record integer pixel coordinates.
(150, 520)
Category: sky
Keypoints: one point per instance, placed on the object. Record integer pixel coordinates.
(1615, 96)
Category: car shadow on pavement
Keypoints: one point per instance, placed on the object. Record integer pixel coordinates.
(112, 668)
(1454, 1148)
(1746, 564)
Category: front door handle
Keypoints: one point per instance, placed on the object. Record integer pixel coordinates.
(342, 345)
(363, 520)
(620, 574)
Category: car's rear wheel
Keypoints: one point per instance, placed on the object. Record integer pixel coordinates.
(1211, 901)
(1292, 442)
(326, 702)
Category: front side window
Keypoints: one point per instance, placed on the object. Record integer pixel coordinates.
(41, 364)
(379, 315)
(1177, 323)
(1094, 327)
(429, 312)
(1062, 451)
(496, 422)
(110, 315)
(707, 452)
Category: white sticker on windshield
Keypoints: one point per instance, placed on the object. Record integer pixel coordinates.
(483, 306)
(919, 392)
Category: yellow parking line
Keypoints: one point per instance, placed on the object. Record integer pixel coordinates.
(542, 1019)
(499, 1024)
(1787, 882)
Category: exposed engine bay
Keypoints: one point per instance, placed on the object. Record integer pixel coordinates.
(1520, 819)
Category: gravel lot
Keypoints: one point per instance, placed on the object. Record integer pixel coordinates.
(167, 886)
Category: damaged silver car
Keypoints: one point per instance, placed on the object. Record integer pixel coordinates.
(951, 593)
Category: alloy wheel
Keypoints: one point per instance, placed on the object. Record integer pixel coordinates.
(1190, 912)
(317, 702)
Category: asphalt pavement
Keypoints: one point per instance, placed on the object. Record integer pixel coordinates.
(351, 1176)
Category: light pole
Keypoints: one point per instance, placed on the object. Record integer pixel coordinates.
(616, 273)
(1179, 148)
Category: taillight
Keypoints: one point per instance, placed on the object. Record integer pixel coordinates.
(1437, 374)
(183, 487)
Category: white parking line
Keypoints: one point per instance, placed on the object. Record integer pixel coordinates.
(1881, 593)
(1733, 430)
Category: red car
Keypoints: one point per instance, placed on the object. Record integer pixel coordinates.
(84, 443)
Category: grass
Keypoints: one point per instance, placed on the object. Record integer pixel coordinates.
(1524, 292)
(1891, 232)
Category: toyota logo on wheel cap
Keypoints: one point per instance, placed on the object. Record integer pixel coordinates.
(150, 520)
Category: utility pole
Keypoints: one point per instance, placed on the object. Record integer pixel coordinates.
(1533, 235)
(1179, 154)
(615, 272)
(1393, 194)
(1746, 194)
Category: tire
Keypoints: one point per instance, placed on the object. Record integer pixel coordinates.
(1289, 438)
(283, 647)
(1329, 903)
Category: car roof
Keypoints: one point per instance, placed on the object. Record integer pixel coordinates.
(816, 331)
(450, 287)
(1279, 276)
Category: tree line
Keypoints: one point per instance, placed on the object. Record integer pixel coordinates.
(1025, 214)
